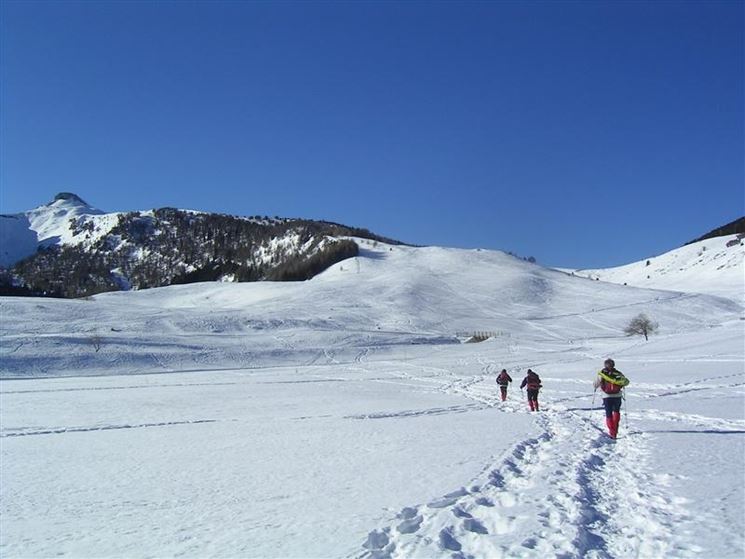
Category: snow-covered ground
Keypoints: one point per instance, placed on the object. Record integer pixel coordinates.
(17, 240)
(341, 417)
(708, 266)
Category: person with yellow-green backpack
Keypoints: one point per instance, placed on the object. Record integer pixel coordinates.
(612, 383)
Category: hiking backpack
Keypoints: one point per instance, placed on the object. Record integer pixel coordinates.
(534, 381)
(612, 382)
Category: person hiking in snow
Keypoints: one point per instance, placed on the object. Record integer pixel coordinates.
(503, 379)
(611, 382)
(533, 382)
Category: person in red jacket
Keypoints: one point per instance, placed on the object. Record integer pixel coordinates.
(612, 382)
(533, 382)
(503, 379)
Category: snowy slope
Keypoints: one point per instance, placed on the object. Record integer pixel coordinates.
(49, 224)
(388, 295)
(708, 266)
(340, 417)
(17, 239)
(52, 221)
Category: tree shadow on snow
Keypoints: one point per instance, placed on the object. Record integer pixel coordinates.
(372, 254)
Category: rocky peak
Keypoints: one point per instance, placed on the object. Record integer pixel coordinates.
(69, 197)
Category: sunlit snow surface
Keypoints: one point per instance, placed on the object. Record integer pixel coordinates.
(713, 266)
(341, 418)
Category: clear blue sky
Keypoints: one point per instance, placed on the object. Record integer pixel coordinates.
(582, 133)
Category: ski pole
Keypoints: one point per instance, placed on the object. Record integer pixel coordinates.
(625, 408)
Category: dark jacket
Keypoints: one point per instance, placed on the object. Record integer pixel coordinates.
(503, 379)
(532, 381)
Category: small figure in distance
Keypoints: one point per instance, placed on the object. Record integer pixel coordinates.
(503, 379)
(612, 383)
(533, 383)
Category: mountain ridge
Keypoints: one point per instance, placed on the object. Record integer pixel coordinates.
(68, 248)
(734, 227)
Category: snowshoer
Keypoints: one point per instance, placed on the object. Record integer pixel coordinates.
(533, 382)
(611, 382)
(503, 379)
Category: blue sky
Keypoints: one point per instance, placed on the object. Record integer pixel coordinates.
(582, 133)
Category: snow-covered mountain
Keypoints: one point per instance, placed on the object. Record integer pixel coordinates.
(714, 265)
(47, 225)
(69, 248)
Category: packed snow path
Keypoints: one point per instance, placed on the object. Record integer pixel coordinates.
(577, 492)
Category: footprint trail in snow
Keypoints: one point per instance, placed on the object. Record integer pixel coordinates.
(569, 491)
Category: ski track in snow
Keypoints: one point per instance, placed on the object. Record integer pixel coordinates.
(579, 493)
(24, 432)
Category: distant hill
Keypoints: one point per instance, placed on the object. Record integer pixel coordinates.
(715, 265)
(732, 228)
(67, 248)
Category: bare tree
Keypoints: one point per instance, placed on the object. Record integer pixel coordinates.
(96, 341)
(641, 324)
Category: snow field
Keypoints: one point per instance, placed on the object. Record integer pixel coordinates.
(322, 461)
(340, 418)
(272, 463)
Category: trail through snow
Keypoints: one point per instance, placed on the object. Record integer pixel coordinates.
(566, 491)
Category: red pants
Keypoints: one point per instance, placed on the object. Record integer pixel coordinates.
(612, 415)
